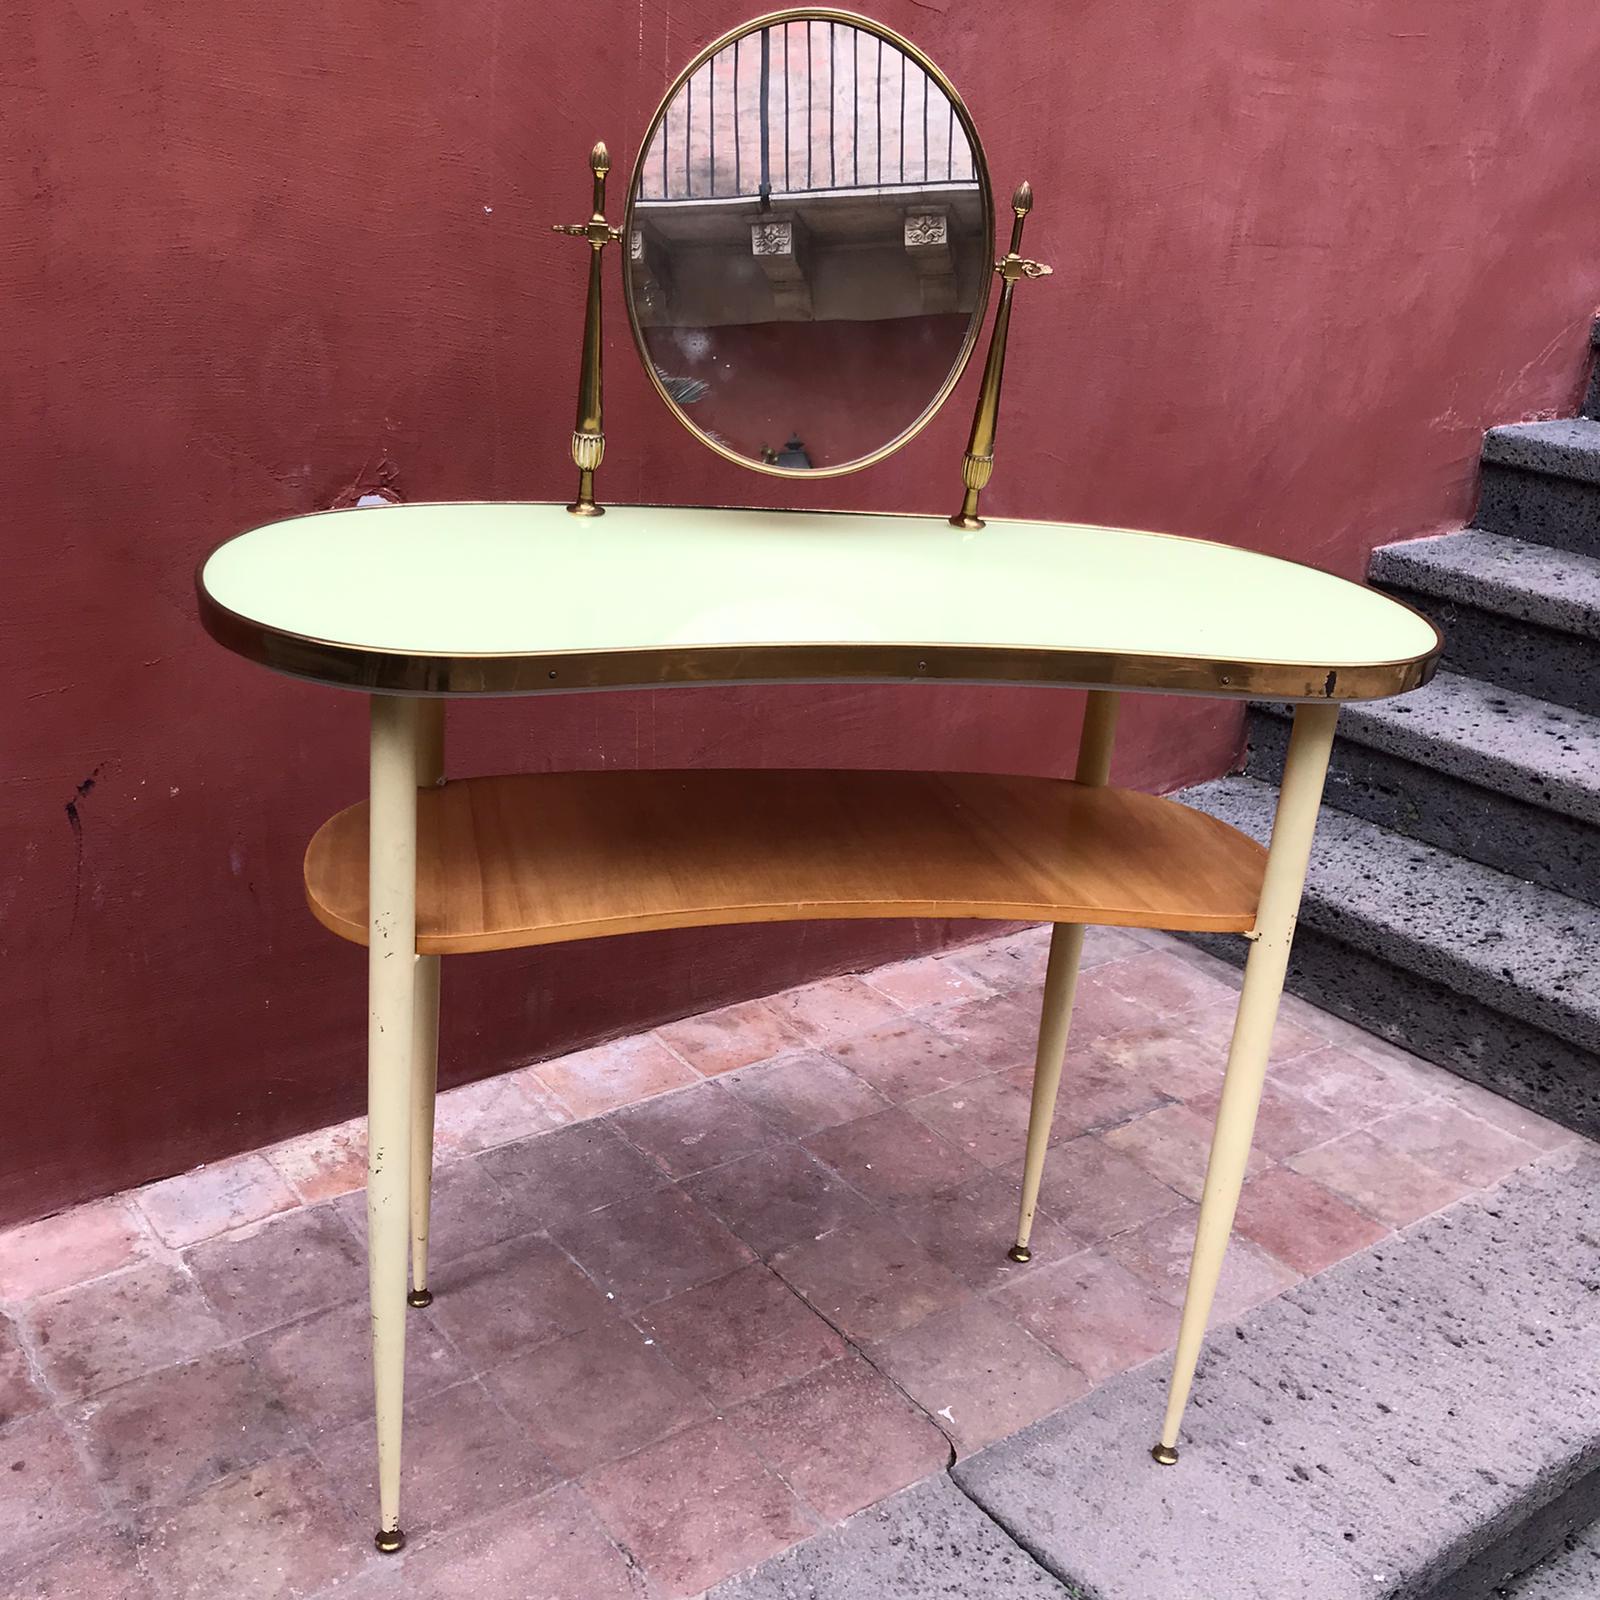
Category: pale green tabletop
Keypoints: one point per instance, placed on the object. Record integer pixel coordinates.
(523, 598)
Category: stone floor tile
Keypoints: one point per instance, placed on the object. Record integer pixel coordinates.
(163, 1438)
(212, 1199)
(1165, 1054)
(804, 1092)
(1353, 1086)
(1162, 981)
(869, 1278)
(1159, 1254)
(694, 1508)
(1301, 1222)
(1102, 944)
(834, 1009)
(739, 1336)
(44, 1491)
(1015, 962)
(1212, 1025)
(494, 1111)
(463, 1458)
(904, 1059)
(1224, 972)
(1173, 1143)
(719, 1041)
(1451, 1140)
(994, 1035)
(275, 1531)
(1096, 1191)
(978, 1372)
(1424, 1078)
(321, 1366)
(277, 1270)
(21, 1393)
(986, 1118)
(1508, 1116)
(101, 1565)
(776, 1197)
(927, 981)
(69, 1248)
(1099, 1010)
(969, 1230)
(325, 1163)
(1286, 1122)
(594, 1397)
(558, 1176)
(842, 1437)
(1380, 1180)
(615, 1074)
(892, 1156)
(469, 1212)
(496, 1303)
(655, 1245)
(119, 1327)
(692, 1129)
(548, 1548)
(1093, 1312)
(1095, 1094)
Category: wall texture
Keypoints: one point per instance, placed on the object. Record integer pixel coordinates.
(255, 256)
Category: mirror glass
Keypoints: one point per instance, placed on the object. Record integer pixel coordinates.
(808, 244)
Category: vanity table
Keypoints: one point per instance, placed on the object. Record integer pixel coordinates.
(417, 605)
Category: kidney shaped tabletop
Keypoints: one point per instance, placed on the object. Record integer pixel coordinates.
(524, 598)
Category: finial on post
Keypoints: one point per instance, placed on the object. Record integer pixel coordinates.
(977, 465)
(588, 432)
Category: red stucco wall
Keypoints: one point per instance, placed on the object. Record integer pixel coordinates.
(254, 254)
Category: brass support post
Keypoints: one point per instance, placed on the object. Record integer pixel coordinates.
(978, 464)
(588, 431)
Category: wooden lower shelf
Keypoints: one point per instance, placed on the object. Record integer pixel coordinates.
(538, 859)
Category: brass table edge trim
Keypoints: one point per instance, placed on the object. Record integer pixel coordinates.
(379, 671)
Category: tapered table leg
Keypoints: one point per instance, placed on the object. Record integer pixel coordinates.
(391, 972)
(1299, 800)
(424, 1034)
(1060, 983)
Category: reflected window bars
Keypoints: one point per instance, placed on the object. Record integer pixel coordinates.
(688, 167)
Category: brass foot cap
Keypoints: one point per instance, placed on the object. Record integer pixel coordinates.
(389, 1540)
(1166, 1454)
(1020, 1253)
(586, 508)
(420, 1298)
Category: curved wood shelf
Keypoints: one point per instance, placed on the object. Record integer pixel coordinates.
(504, 862)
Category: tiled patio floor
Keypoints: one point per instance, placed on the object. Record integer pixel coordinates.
(700, 1293)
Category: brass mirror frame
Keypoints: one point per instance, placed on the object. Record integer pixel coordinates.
(980, 307)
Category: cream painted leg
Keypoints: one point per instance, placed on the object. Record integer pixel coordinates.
(1299, 800)
(425, 1034)
(1060, 984)
(391, 971)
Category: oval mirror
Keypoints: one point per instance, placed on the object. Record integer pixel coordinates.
(808, 243)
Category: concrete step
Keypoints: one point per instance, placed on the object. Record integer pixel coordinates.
(1541, 483)
(1591, 404)
(1489, 774)
(1572, 1573)
(1522, 615)
(1418, 1423)
(1494, 978)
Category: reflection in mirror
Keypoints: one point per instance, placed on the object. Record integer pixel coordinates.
(808, 245)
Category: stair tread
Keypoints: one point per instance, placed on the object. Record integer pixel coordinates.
(1511, 743)
(1520, 949)
(1532, 582)
(1374, 1398)
(1568, 447)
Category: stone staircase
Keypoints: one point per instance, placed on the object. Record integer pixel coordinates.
(1453, 903)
